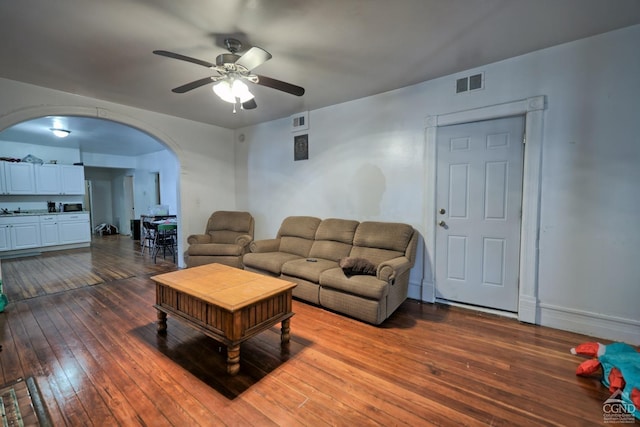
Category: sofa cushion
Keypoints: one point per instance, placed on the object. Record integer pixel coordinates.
(213, 249)
(381, 241)
(297, 233)
(338, 230)
(361, 285)
(308, 270)
(374, 255)
(383, 235)
(333, 239)
(299, 226)
(354, 266)
(295, 245)
(268, 261)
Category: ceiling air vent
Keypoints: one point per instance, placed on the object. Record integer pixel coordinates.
(466, 84)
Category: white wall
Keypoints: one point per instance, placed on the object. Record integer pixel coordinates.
(205, 153)
(19, 150)
(166, 165)
(101, 193)
(140, 167)
(367, 161)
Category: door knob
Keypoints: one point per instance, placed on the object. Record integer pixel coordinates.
(442, 211)
(442, 224)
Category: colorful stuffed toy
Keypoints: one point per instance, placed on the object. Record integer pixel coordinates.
(620, 365)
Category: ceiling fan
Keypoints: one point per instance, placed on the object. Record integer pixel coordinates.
(233, 70)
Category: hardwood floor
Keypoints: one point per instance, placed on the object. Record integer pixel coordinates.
(97, 359)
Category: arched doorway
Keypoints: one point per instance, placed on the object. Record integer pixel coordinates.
(116, 156)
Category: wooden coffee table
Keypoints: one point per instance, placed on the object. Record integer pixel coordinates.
(228, 304)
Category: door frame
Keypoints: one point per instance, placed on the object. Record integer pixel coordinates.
(533, 110)
(128, 190)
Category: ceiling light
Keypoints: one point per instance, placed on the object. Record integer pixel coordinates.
(223, 90)
(233, 90)
(60, 133)
(241, 90)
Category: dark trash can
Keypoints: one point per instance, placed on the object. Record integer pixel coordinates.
(135, 229)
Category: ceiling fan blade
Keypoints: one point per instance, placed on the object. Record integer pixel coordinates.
(249, 105)
(184, 58)
(280, 85)
(193, 85)
(254, 57)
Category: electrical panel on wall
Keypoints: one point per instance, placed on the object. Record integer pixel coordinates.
(470, 83)
(300, 121)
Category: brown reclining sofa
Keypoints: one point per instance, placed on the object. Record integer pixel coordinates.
(376, 256)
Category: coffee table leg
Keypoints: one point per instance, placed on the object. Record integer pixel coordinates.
(233, 359)
(162, 322)
(285, 332)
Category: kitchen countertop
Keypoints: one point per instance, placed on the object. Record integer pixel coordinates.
(38, 213)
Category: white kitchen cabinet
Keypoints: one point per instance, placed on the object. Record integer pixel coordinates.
(32, 231)
(25, 236)
(5, 236)
(47, 178)
(3, 186)
(19, 178)
(49, 235)
(74, 228)
(72, 179)
(23, 232)
(59, 179)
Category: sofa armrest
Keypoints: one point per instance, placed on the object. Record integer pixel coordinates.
(267, 245)
(243, 240)
(198, 238)
(390, 269)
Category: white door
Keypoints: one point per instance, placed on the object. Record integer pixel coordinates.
(478, 202)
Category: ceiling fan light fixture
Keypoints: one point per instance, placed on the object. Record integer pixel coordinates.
(241, 90)
(223, 90)
(231, 92)
(60, 133)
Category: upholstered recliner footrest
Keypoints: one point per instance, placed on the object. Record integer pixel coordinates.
(361, 285)
(217, 249)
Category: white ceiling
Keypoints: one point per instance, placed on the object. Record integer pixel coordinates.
(338, 50)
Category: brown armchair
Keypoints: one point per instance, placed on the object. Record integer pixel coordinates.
(225, 241)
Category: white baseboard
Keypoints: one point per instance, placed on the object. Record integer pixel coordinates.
(592, 324)
(415, 290)
(422, 291)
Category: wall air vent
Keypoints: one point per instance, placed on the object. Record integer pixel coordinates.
(467, 84)
(300, 121)
(462, 85)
